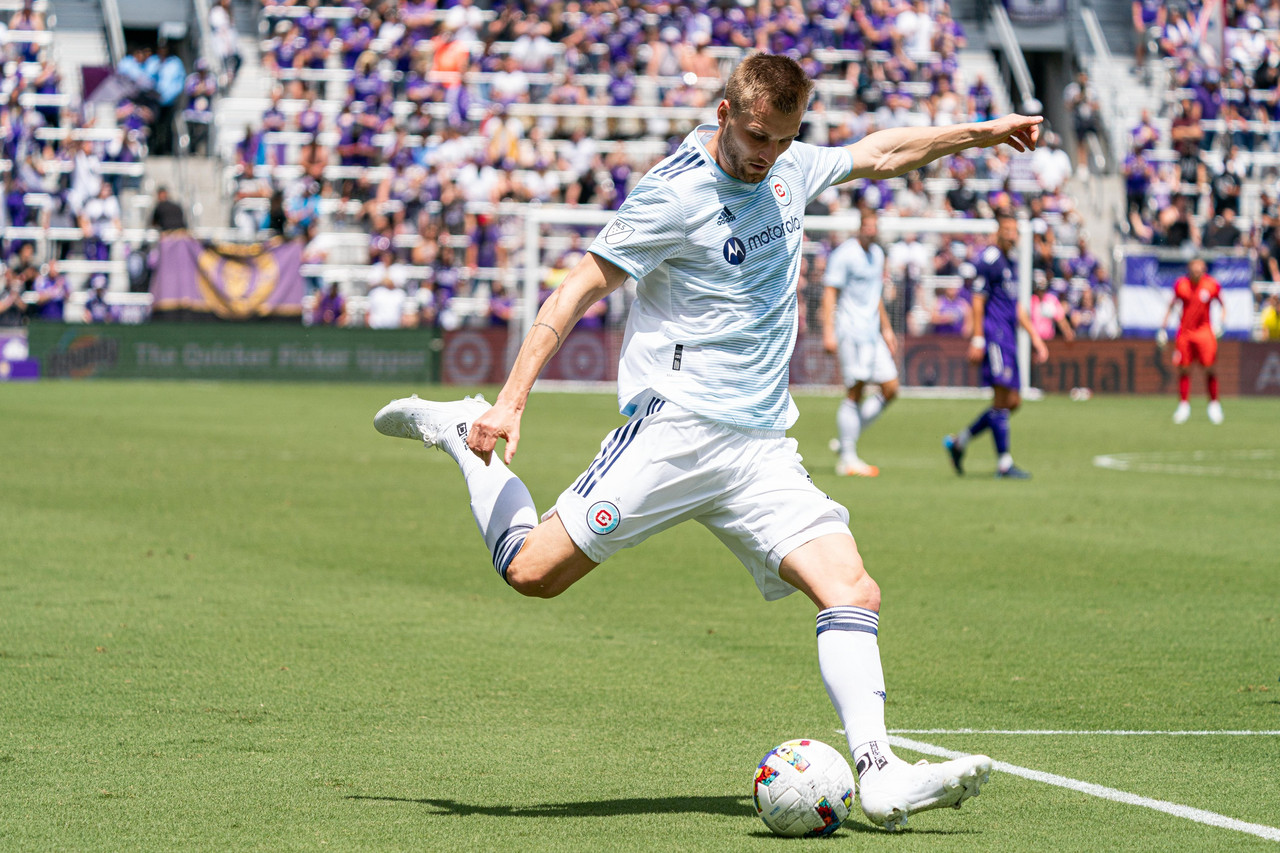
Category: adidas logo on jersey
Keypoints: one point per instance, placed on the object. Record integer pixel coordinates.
(726, 216)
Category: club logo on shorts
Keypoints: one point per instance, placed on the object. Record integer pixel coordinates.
(603, 517)
(781, 191)
(734, 252)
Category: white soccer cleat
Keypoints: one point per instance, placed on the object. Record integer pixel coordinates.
(1215, 412)
(426, 421)
(856, 468)
(888, 796)
(1181, 413)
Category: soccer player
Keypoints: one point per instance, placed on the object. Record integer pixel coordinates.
(1197, 343)
(856, 326)
(994, 345)
(712, 235)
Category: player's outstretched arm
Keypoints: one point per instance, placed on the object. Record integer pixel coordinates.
(591, 280)
(892, 152)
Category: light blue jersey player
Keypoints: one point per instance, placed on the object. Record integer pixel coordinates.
(712, 234)
(856, 327)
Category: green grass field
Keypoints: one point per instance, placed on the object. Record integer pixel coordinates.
(235, 617)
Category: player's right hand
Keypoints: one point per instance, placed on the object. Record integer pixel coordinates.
(501, 421)
(1162, 338)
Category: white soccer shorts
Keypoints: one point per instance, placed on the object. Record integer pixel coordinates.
(866, 361)
(667, 465)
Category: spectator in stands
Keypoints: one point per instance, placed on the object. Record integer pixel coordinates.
(1082, 101)
(1145, 136)
(1047, 312)
(28, 20)
(1222, 231)
(980, 100)
(1138, 176)
(201, 89)
(1174, 226)
(12, 308)
(961, 200)
(386, 303)
(86, 174)
(952, 312)
(331, 308)
(1148, 15)
(1227, 182)
(96, 307)
(1050, 164)
(167, 216)
(52, 291)
(226, 43)
(170, 77)
(1271, 318)
(501, 305)
(22, 270)
(100, 223)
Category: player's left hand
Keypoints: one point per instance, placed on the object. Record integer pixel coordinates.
(501, 421)
(1021, 133)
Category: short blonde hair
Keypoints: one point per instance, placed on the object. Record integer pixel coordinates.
(777, 80)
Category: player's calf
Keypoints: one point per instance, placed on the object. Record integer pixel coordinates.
(548, 562)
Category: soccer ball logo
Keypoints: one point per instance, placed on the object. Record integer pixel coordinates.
(803, 787)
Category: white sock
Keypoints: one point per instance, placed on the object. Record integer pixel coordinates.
(871, 409)
(962, 438)
(848, 426)
(1005, 462)
(500, 502)
(849, 658)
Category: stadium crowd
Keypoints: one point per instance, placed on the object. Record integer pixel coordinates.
(426, 139)
(1196, 184)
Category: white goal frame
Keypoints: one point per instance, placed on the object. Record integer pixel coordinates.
(534, 271)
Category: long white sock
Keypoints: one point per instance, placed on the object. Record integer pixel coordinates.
(871, 409)
(500, 502)
(849, 658)
(848, 427)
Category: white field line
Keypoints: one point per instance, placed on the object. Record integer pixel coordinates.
(1238, 733)
(1196, 463)
(1270, 833)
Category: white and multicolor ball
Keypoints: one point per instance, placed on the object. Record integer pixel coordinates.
(803, 787)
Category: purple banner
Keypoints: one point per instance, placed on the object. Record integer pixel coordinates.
(232, 282)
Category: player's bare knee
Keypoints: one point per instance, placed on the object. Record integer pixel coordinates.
(529, 578)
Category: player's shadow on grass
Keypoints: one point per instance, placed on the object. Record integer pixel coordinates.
(731, 806)
(728, 806)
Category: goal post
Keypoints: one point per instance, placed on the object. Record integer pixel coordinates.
(539, 248)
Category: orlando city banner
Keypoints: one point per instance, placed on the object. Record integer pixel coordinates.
(232, 282)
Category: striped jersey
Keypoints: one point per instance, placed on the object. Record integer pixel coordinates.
(858, 274)
(716, 261)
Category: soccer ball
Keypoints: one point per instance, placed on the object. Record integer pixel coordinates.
(803, 787)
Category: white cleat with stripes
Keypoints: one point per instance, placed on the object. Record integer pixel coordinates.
(427, 421)
(891, 794)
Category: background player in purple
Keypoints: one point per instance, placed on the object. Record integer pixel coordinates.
(996, 318)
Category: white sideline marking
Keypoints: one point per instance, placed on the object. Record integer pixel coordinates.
(1195, 463)
(1078, 732)
(1270, 833)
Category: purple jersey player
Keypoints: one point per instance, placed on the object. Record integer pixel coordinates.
(996, 318)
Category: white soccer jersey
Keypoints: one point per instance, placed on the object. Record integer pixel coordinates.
(716, 260)
(859, 276)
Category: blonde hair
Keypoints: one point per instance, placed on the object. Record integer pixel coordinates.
(777, 80)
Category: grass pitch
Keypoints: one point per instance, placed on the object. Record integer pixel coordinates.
(235, 617)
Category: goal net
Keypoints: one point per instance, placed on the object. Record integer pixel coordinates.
(930, 363)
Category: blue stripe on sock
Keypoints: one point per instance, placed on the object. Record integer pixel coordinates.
(848, 618)
(508, 545)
